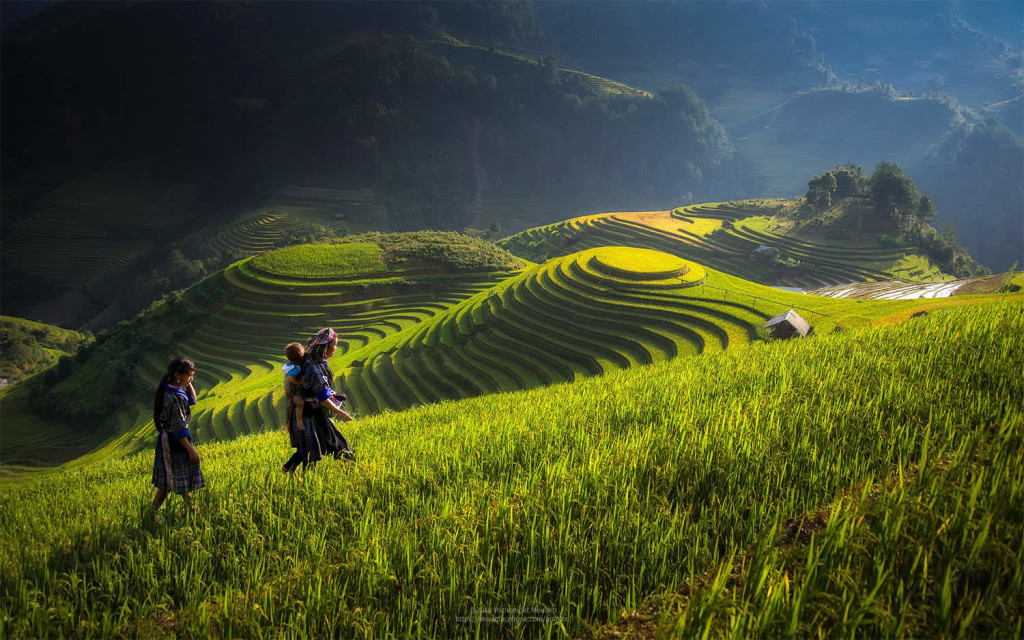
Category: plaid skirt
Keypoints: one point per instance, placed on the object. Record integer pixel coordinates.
(185, 475)
(320, 437)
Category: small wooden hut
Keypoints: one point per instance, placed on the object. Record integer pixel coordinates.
(788, 325)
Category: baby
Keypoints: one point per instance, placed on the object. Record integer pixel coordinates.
(293, 382)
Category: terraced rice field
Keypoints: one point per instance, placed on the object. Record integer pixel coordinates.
(588, 313)
(239, 349)
(605, 85)
(726, 238)
(355, 209)
(253, 233)
(89, 229)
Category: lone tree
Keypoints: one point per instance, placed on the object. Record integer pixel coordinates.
(842, 182)
(894, 193)
(849, 180)
(926, 211)
(820, 190)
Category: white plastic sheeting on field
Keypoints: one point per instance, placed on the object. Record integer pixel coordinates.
(893, 290)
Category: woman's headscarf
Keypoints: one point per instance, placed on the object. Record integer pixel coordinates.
(318, 343)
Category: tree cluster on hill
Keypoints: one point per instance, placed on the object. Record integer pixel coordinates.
(101, 378)
(893, 199)
(27, 347)
(456, 251)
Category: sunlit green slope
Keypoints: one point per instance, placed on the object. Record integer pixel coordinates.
(587, 313)
(731, 238)
(234, 325)
(446, 321)
(861, 484)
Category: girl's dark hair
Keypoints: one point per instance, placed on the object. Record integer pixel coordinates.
(178, 365)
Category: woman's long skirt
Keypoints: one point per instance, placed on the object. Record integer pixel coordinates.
(185, 476)
(323, 438)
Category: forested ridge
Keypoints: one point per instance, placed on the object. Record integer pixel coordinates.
(248, 105)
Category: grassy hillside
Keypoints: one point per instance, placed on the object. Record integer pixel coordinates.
(861, 483)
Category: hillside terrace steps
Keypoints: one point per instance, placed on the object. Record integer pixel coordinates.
(827, 259)
(763, 237)
(572, 347)
(590, 331)
(250, 412)
(668, 335)
(620, 337)
(392, 390)
(449, 382)
(478, 380)
(356, 209)
(412, 381)
(526, 372)
(549, 352)
(253, 234)
(589, 290)
(519, 325)
(81, 235)
(360, 398)
(504, 377)
(272, 415)
(428, 387)
(718, 212)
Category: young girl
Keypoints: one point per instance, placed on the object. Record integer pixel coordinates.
(176, 464)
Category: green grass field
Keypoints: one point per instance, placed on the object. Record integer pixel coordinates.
(866, 483)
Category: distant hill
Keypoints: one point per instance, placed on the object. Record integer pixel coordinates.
(256, 101)
(838, 124)
(975, 176)
(28, 347)
(799, 85)
(420, 132)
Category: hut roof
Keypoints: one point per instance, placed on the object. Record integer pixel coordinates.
(793, 319)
